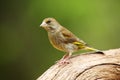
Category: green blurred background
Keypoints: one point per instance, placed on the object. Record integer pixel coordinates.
(25, 52)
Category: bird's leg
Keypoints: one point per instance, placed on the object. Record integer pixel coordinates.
(66, 56)
(65, 59)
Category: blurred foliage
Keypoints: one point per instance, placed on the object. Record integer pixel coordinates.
(25, 52)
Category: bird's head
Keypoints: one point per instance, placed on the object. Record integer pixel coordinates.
(50, 24)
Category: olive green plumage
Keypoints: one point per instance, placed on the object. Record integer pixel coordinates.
(63, 39)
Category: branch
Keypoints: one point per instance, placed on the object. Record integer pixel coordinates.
(88, 66)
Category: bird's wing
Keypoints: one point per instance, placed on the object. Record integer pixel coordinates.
(70, 37)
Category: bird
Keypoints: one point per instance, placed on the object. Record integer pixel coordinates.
(63, 39)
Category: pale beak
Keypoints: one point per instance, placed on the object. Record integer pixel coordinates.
(43, 24)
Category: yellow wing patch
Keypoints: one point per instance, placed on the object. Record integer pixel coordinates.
(79, 44)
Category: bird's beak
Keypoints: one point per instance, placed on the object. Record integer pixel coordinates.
(43, 24)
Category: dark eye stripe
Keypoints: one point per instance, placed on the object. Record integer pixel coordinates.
(48, 22)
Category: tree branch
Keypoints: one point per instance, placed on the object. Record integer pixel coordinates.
(88, 66)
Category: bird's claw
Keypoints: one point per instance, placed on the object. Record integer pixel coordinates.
(63, 61)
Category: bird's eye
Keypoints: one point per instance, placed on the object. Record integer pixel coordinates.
(48, 22)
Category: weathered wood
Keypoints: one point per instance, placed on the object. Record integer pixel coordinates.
(88, 66)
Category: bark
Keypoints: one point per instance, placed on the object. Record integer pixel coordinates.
(87, 66)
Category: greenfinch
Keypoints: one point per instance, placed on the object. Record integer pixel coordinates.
(63, 39)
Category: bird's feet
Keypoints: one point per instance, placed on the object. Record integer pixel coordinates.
(65, 60)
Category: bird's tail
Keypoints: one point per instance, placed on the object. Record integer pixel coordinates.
(92, 49)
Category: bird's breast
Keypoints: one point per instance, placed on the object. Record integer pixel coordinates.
(56, 41)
